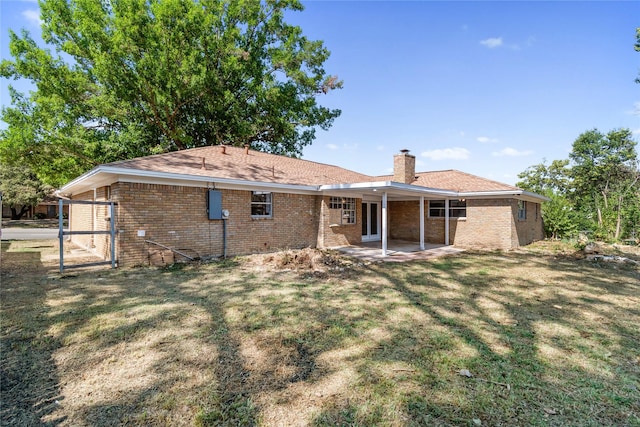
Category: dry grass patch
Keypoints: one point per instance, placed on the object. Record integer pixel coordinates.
(312, 338)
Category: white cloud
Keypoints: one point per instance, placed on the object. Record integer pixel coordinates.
(456, 153)
(33, 16)
(492, 42)
(332, 146)
(636, 131)
(511, 152)
(380, 148)
(495, 42)
(636, 108)
(486, 139)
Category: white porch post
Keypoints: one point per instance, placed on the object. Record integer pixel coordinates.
(446, 222)
(422, 223)
(384, 224)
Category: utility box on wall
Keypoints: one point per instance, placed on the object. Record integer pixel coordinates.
(214, 204)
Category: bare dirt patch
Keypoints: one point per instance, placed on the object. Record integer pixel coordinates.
(314, 338)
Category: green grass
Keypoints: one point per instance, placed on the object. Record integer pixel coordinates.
(548, 338)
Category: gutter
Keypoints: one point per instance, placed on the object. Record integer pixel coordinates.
(391, 185)
(122, 173)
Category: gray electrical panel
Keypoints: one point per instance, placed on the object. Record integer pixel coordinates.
(214, 207)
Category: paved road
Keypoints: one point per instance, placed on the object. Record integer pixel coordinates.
(29, 233)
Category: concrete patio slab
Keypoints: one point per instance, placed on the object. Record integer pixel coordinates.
(397, 251)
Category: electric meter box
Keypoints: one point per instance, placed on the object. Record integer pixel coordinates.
(214, 204)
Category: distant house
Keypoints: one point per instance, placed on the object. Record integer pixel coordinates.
(47, 208)
(219, 199)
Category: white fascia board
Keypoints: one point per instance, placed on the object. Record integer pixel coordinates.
(534, 197)
(79, 180)
(153, 177)
(519, 194)
(388, 186)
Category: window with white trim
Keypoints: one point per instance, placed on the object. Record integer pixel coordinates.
(457, 208)
(261, 204)
(347, 207)
(522, 210)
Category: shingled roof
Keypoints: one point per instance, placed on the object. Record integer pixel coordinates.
(241, 164)
(455, 180)
(238, 166)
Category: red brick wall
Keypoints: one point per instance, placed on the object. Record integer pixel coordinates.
(531, 229)
(294, 223)
(81, 218)
(490, 223)
(92, 218)
(405, 221)
(331, 235)
(176, 217)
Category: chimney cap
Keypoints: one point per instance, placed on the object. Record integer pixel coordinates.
(404, 151)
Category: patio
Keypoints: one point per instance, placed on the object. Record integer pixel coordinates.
(397, 251)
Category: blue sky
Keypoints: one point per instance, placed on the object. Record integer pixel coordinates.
(488, 88)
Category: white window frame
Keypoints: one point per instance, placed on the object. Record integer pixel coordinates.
(522, 210)
(347, 206)
(267, 204)
(457, 209)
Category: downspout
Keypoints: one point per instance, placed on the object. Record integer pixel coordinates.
(224, 238)
(446, 222)
(422, 223)
(94, 218)
(61, 232)
(384, 224)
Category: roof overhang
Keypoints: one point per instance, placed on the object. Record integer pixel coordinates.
(396, 190)
(107, 175)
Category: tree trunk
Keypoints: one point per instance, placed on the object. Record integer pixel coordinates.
(17, 215)
(619, 217)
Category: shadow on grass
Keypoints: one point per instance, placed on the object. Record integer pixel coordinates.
(520, 395)
(236, 337)
(29, 384)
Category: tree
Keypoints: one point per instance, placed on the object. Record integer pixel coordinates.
(637, 48)
(553, 181)
(605, 179)
(560, 218)
(136, 77)
(542, 179)
(20, 189)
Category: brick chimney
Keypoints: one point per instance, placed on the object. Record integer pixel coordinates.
(404, 167)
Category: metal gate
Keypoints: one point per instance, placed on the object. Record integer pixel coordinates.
(111, 232)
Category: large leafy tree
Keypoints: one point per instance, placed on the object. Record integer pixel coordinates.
(20, 189)
(597, 189)
(133, 77)
(637, 48)
(553, 181)
(605, 178)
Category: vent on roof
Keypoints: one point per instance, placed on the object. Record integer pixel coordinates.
(223, 149)
(246, 148)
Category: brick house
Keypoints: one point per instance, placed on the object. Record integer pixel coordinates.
(213, 200)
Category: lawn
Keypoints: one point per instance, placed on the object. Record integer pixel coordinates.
(538, 336)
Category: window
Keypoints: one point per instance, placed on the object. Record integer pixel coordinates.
(522, 210)
(347, 206)
(457, 208)
(261, 204)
